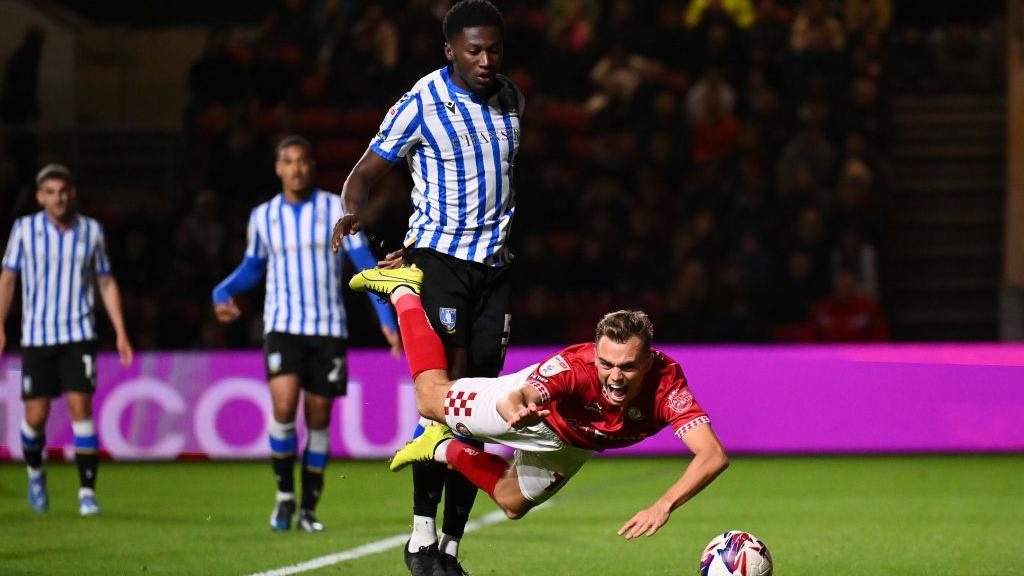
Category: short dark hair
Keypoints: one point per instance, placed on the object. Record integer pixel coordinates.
(470, 14)
(293, 140)
(622, 325)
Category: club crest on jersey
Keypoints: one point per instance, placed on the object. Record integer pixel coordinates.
(680, 400)
(26, 384)
(274, 362)
(553, 366)
(447, 317)
(634, 413)
(462, 430)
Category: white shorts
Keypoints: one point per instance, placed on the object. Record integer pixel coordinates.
(543, 461)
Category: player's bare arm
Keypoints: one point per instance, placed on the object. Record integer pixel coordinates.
(522, 408)
(370, 168)
(709, 460)
(7, 281)
(111, 296)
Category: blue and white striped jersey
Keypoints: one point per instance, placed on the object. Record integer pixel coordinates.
(461, 151)
(58, 270)
(303, 287)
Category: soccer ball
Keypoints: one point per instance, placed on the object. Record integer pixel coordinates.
(736, 553)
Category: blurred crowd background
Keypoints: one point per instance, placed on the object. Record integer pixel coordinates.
(723, 164)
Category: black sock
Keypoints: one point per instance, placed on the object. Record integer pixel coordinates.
(459, 495)
(34, 455)
(88, 463)
(427, 484)
(284, 472)
(312, 483)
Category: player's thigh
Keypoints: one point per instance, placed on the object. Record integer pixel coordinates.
(325, 366)
(40, 374)
(445, 295)
(542, 474)
(76, 363)
(492, 323)
(284, 396)
(79, 405)
(37, 411)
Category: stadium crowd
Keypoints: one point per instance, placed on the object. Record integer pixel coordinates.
(719, 163)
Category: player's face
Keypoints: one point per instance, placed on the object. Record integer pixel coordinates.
(55, 195)
(476, 56)
(621, 367)
(294, 168)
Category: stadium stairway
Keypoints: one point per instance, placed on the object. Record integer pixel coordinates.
(945, 253)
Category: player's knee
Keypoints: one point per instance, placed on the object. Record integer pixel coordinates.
(516, 510)
(515, 513)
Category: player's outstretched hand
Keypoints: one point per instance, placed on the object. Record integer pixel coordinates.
(124, 351)
(227, 312)
(645, 522)
(393, 259)
(347, 224)
(527, 416)
(394, 341)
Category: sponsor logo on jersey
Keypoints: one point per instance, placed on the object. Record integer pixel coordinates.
(447, 317)
(450, 106)
(680, 400)
(553, 366)
(634, 413)
(462, 430)
(594, 406)
(274, 362)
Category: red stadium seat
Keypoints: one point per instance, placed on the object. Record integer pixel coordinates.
(318, 120)
(362, 122)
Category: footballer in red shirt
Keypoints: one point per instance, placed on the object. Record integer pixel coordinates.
(610, 393)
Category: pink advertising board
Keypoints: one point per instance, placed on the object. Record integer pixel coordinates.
(762, 399)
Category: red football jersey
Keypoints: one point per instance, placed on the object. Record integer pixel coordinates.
(582, 417)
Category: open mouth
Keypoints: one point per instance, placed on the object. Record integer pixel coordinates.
(616, 392)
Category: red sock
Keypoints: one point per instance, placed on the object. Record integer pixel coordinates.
(423, 348)
(481, 468)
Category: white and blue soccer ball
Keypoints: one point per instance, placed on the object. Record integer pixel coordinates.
(736, 553)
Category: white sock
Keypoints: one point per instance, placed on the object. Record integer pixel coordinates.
(34, 473)
(285, 496)
(440, 452)
(83, 492)
(423, 533)
(449, 545)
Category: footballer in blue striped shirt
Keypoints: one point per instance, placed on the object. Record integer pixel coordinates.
(304, 326)
(457, 129)
(60, 255)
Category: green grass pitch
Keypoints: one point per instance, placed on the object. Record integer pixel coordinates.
(878, 515)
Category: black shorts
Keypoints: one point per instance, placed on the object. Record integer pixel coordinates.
(318, 361)
(468, 306)
(49, 371)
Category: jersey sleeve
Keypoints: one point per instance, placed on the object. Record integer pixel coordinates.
(680, 410)
(255, 246)
(358, 250)
(101, 262)
(14, 250)
(553, 378)
(401, 129)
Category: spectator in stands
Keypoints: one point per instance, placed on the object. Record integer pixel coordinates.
(741, 12)
(847, 315)
(867, 18)
(815, 30)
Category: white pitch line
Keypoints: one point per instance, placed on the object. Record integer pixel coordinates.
(368, 549)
